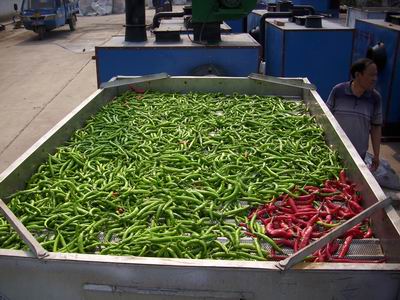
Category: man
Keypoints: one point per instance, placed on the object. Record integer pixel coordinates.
(357, 106)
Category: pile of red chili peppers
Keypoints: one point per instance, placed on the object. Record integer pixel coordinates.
(293, 220)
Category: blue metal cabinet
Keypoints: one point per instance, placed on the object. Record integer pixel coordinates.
(322, 55)
(369, 33)
(354, 13)
(253, 19)
(237, 25)
(235, 55)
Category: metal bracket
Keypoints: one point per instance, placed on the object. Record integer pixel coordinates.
(130, 80)
(24, 233)
(338, 231)
(287, 82)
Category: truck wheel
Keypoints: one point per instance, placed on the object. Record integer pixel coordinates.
(72, 23)
(41, 31)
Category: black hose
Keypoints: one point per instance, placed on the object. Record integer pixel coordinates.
(274, 14)
(160, 15)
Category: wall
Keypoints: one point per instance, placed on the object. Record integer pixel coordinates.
(7, 9)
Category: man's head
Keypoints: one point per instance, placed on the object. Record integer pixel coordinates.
(365, 73)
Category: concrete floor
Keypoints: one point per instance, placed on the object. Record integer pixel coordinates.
(42, 81)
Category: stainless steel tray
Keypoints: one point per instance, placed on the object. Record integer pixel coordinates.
(83, 276)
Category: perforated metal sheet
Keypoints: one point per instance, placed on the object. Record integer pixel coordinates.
(366, 249)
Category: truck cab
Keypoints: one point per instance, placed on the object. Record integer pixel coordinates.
(42, 16)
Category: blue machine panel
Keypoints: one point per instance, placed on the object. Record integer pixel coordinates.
(253, 18)
(322, 55)
(236, 55)
(237, 25)
(354, 13)
(274, 51)
(368, 34)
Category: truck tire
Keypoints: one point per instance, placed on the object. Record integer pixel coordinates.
(72, 23)
(41, 31)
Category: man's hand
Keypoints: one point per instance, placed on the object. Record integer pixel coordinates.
(375, 164)
(376, 144)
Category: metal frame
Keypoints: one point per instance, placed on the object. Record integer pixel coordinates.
(90, 276)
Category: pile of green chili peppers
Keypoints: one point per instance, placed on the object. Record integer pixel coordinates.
(171, 175)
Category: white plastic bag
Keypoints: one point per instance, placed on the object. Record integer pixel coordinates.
(102, 7)
(385, 175)
(85, 7)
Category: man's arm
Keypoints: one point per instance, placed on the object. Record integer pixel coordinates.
(376, 134)
(331, 100)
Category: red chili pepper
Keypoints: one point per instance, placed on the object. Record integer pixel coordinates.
(348, 190)
(317, 234)
(278, 218)
(271, 231)
(312, 221)
(354, 206)
(286, 210)
(300, 222)
(296, 244)
(136, 89)
(290, 201)
(277, 257)
(333, 211)
(308, 209)
(368, 234)
(331, 184)
(303, 205)
(308, 215)
(305, 198)
(320, 257)
(345, 247)
(330, 204)
(250, 234)
(345, 214)
(271, 208)
(328, 190)
(334, 247)
(346, 195)
(331, 249)
(306, 234)
(328, 252)
(338, 198)
(328, 219)
(262, 212)
(311, 188)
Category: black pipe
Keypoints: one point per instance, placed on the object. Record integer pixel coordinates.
(160, 15)
(135, 21)
(267, 15)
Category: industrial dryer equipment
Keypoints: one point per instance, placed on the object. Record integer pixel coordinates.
(328, 8)
(204, 52)
(55, 274)
(380, 41)
(300, 44)
(354, 13)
